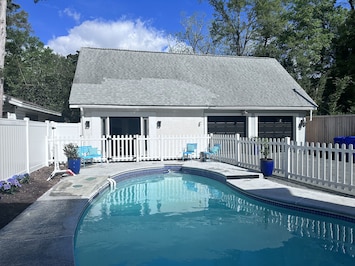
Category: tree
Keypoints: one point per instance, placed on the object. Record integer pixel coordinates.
(306, 43)
(247, 27)
(342, 81)
(271, 20)
(3, 6)
(3, 9)
(32, 71)
(196, 34)
(233, 25)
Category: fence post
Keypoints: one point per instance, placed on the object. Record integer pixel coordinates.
(237, 148)
(287, 157)
(137, 145)
(49, 145)
(27, 123)
(161, 148)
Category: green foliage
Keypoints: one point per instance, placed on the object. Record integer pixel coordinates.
(343, 71)
(71, 151)
(341, 84)
(265, 147)
(34, 72)
(233, 25)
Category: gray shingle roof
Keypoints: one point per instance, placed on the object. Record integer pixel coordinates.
(133, 78)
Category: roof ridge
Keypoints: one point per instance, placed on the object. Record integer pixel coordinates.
(180, 54)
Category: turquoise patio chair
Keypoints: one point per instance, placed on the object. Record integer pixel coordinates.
(212, 151)
(88, 153)
(191, 149)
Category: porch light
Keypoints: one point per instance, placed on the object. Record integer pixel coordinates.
(158, 124)
(302, 123)
(87, 124)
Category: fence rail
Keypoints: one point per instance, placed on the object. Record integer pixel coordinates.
(26, 146)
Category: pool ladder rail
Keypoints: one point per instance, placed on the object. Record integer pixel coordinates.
(112, 184)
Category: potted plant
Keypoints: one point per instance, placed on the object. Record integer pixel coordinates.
(71, 152)
(266, 163)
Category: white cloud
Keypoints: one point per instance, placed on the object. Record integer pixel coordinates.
(122, 34)
(73, 14)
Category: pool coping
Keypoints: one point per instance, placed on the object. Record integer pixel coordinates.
(44, 233)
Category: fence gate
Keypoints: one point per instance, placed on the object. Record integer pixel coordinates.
(119, 148)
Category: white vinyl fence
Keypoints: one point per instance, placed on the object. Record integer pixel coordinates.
(26, 146)
(23, 147)
(324, 165)
(123, 148)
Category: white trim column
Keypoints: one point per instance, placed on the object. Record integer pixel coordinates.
(252, 126)
(300, 129)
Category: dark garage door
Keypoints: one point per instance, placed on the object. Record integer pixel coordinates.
(227, 125)
(275, 126)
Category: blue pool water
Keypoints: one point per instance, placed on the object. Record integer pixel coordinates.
(183, 219)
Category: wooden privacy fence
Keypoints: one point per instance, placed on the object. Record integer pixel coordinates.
(324, 129)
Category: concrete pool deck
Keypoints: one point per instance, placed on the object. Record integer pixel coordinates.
(44, 233)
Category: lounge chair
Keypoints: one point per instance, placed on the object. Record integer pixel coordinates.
(190, 150)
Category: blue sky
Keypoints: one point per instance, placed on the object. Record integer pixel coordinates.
(67, 25)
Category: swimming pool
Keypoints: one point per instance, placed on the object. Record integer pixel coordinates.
(184, 219)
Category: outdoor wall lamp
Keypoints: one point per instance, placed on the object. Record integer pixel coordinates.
(87, 124)
(302, 123)
(158, 124)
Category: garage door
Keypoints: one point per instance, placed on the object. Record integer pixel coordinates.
(275, 126)
(227, 125)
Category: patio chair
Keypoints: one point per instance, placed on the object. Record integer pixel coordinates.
(212, 151)
(190, 150)
(88, 153)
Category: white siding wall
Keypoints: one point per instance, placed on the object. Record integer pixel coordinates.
(180, 126)
(181, 122)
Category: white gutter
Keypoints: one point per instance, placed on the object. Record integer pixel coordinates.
(238, 108)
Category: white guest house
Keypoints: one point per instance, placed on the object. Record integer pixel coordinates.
(122, 92)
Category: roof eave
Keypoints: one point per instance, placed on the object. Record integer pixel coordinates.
(29, 106)
(236, 108)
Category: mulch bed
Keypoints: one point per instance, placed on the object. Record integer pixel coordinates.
(12, 205)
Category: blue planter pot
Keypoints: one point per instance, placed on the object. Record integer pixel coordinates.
(267, 166)
(74, 165)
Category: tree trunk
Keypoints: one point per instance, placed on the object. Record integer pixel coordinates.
(3, 5)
